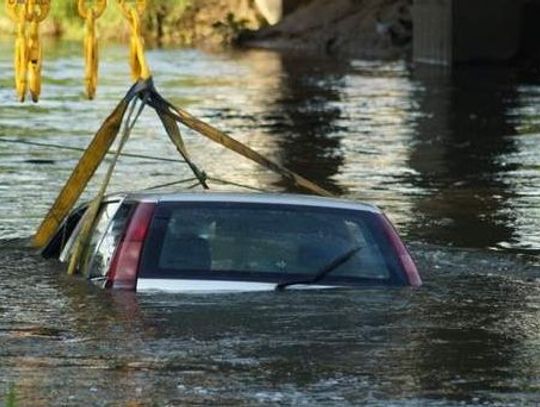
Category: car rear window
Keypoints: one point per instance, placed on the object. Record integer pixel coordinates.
(261, 242)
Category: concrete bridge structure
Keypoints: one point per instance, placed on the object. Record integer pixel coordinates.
(450, 32)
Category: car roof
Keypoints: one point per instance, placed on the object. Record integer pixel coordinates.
(252, 198)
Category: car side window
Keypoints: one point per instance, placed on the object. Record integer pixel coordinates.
(106, 237)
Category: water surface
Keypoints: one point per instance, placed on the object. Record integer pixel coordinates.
(451, 157)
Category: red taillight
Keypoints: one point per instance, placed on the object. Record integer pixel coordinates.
(404, 256)
(125, 264)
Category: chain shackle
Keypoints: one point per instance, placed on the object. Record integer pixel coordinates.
(37, 10)
(16, 10)
(97, 9)
(127, 6)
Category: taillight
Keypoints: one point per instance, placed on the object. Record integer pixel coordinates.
(125, 264)
(404, 256)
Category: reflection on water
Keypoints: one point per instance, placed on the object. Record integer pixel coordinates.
(452, 157)
(303, 115)
(463, 136)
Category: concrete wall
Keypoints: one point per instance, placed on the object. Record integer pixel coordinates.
(530, 30)
(432, 31)
(460, 31)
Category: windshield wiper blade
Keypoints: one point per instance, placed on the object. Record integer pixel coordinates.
(334, 264)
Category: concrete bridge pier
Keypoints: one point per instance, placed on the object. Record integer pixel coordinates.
(449, 32)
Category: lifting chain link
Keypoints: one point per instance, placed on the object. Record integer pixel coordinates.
(16, 10)
(91, 56)
(28, 57)
(36, 12)
(132, 11)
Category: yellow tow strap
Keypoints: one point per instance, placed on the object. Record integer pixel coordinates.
(80, 256)
(234, 145)
(81, 175)
(28, 58)
(170, 116)
(91, 56)
(30, 55)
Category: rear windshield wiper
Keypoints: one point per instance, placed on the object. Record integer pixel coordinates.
(334, 264)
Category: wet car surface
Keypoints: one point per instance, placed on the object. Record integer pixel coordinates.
(234, 242)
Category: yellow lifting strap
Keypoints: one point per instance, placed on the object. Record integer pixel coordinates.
(28, 57)
(79, 256)
(133, 11)
(82, 173)
(169, 115)
(91, 56)
(228, 142)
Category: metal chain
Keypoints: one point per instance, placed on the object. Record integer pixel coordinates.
(137, 59)
(91, 56)
(28, 58)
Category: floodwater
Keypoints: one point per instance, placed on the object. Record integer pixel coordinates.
(453, 158)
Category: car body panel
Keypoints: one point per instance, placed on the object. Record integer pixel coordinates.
(210, 286)
(114, 278)
(234, 197)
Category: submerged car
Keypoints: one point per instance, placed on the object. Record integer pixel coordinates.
(236, 242)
